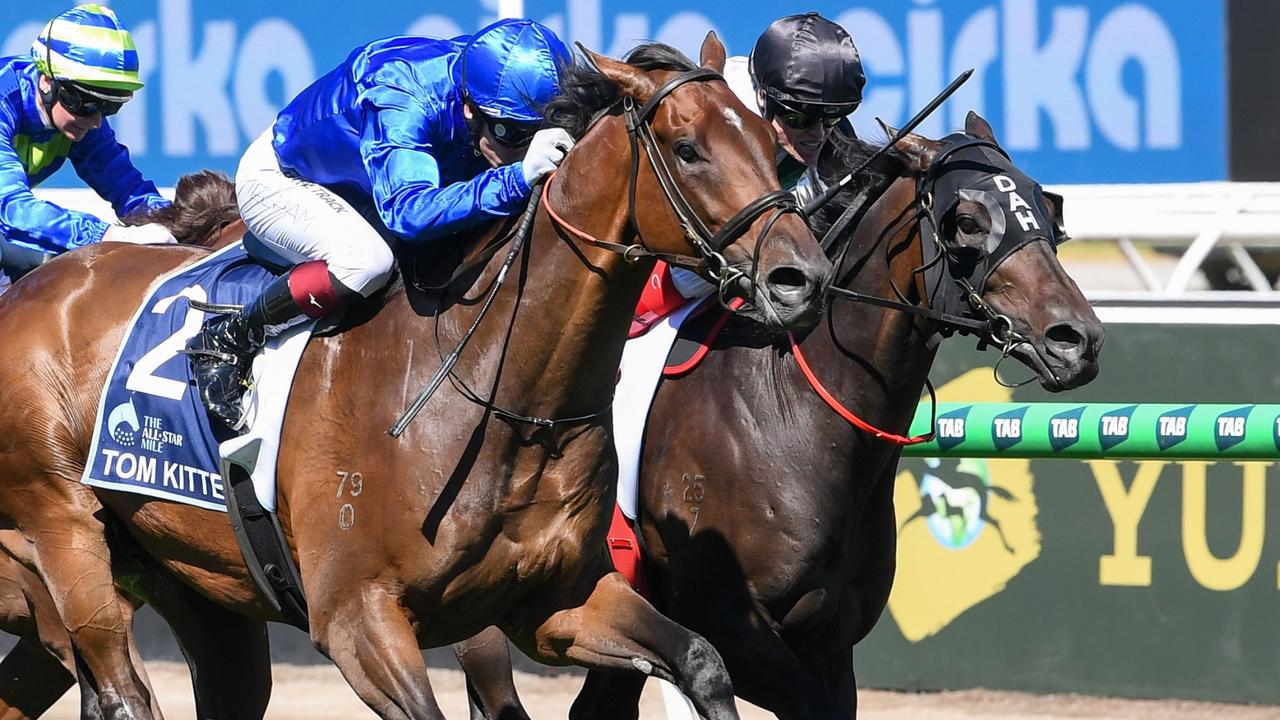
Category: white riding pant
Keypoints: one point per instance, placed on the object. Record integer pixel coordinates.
(300, 220)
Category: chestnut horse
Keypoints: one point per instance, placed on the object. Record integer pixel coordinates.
(485, 511)
(231, 672)
(230, 667)
(766, 520)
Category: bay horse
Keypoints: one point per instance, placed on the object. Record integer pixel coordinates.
(766, 520)
(485, 511)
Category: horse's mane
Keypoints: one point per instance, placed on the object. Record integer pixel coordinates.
(842, 153)
(204, 203)
(585, 91)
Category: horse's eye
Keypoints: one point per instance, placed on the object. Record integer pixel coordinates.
(967, 225)
(687, 152)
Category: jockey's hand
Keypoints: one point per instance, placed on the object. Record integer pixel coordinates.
(149, 234)
(546, 152)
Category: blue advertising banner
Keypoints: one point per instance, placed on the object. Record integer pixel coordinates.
(1077, 90)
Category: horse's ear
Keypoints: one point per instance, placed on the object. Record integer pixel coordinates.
(976, 126)
(918, 150)
(712, 53)
(1053, 203)
(630, 80)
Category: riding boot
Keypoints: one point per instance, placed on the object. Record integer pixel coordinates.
(223, 351)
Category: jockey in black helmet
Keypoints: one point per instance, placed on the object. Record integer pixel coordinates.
(805, 77)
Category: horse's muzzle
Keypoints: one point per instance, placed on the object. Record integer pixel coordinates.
(791, 296)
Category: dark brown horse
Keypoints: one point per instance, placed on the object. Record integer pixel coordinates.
(766, 520)
(473, 517)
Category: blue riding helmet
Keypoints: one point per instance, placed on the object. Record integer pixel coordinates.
(511, 69)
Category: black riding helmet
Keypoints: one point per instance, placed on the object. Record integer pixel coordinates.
(808, 64)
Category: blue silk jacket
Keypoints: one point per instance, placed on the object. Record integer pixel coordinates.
(31, 151)
(385, 129)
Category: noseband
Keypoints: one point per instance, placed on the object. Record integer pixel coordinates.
(707, 245)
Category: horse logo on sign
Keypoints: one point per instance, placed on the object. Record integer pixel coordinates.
(948, 560)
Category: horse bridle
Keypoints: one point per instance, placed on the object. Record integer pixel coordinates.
(707, 245)
(981, 319)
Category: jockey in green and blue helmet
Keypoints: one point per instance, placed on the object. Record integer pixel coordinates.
(53, 106)
(91, 50)
(410, 138)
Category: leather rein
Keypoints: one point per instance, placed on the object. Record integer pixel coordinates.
(707, 245)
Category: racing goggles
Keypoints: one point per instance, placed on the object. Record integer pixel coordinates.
(511, 133)
(81, 103)
(803, 119)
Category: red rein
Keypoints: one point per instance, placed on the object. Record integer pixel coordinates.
(834, 404)
(844, 412)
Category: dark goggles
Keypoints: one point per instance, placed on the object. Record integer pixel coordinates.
(81, 104)
(510, 132)
(805, 118)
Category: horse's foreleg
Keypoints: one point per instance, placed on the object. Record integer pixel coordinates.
(608, 695)
(616, 630)
(486, 660)
(765, 670)
(837, 675)
(43, 665)
(228, 654)
(74, 561)
(366, 633)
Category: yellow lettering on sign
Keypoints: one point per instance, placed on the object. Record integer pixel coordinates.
(1210, 571)
(1124, 566)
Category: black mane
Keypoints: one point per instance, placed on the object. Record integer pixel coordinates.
(585, 91)
(841, 154)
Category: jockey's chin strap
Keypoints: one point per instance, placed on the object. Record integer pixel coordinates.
(708, 246)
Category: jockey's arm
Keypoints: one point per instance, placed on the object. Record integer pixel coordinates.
(29, 221)
(103, 163)
(396, 146)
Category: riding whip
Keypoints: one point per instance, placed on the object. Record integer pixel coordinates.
(826, 195)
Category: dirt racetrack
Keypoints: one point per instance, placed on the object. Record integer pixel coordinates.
(318, 692)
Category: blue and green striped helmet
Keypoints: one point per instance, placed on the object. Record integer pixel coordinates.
(87, 45)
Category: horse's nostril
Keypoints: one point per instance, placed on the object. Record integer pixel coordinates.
(788, 279)
(1065, 335)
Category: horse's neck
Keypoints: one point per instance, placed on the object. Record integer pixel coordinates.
(572, 304)
(874, 360)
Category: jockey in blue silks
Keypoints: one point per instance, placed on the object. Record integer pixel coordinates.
(53, 108)
(411, 138)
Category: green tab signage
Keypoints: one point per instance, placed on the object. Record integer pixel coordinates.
(1032, 556)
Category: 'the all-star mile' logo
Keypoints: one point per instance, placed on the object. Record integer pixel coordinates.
(965, 527)
(123, 424)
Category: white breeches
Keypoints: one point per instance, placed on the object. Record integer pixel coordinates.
(301, 220)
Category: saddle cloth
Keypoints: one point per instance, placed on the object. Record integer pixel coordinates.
(656, 348)
(152, 435)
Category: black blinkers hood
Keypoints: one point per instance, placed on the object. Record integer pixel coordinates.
(971, 169)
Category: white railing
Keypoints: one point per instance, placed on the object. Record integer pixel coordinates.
(1185, 220)
(84, 200)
